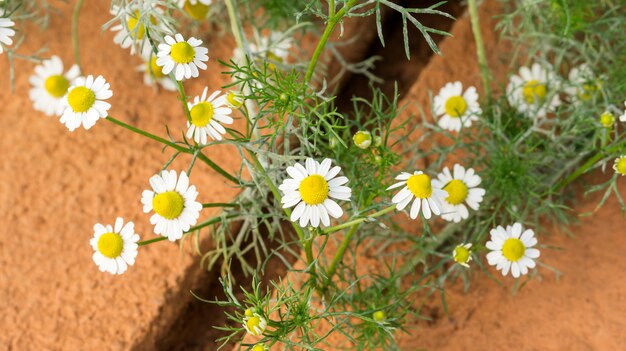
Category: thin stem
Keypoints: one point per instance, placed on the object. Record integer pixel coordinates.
(339, 255)
(331, 8)
(234, 23)
(183, 99)
(191, 230)
(75, 16)
(358, 220)
(220, 204)
(330, 26)
(176, 147)
(480, 46)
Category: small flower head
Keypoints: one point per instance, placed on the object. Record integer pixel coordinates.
(428, 197)
(620, 165)
(512, 249)
(260, 347)
(131, 31)
(273, 49)
(208, 113)
(462, 188)
(379, 316)
(152, 74)
(174, 204)
(456, 108)
(115, 247)
(313, 189)
(362, 139)
(182, 57)
(583, 84)
(607, 120)
(84, 102)
(462, 254)
(534, 91)
(235, 99)
(196, 9)
(50, 84)
(254, 324)
(6, 32)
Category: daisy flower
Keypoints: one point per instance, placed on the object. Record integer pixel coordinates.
(206, 115)
(428, 197)
(50, 84)
(153, 73)
(6, 32)
(235, 99)
(622, 118)
(462, 188)
(607, 119)
(254, 324)
(84, 102)
(182, 57)
(115, 248)
(173, 202)
(534, 91)
(131, 32)
(462, 254)
(620, 165)
(456, 108)
(196, 9)
(362, 139)
(312, 190)
(512, 249)
(582, 83)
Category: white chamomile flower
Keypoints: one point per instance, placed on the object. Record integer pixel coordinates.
(84, 102)
(6, 32)
(131, 32)
(235, 99)
(428, 198)
(312, 190)
(182, 57)
(534, 92)
(207, 116)
(196, 9)
(620, 165)
(512, 249)
(254, 324)
(153, 73)
(462, 188)
(582, 83)
(622, 117)
(456, 108)
(50, 84)
(115, 248)
(462, 254)
(174, 204)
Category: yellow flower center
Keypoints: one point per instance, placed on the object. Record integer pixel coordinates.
(379, 316)
(197, 11)
(151, 66)
(513, 249)
(534, 91)
(57, 85)
(258, 347)
(588, 91)
(183, 52)
(456, 106)
(461, 254)
(201, 114)
(362, 139)
(81, 99)
(110, 245)
(169, 204)
(248, 312)
(272, 57)
(253, 323)
(621, 166)
(607, 119)
(234, 99)
(420, 186)
(314, 189)
(132, 24)
(457, 191)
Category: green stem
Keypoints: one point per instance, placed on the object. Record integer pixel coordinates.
(589, 164)
(176, 147)
(358, 220)
(234, 23)
(191, 230)
(219, 204)
(183, 99)
(480, 46)
(75, 16)
(330, 26)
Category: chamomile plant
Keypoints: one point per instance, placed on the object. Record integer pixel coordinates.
(468, 183)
